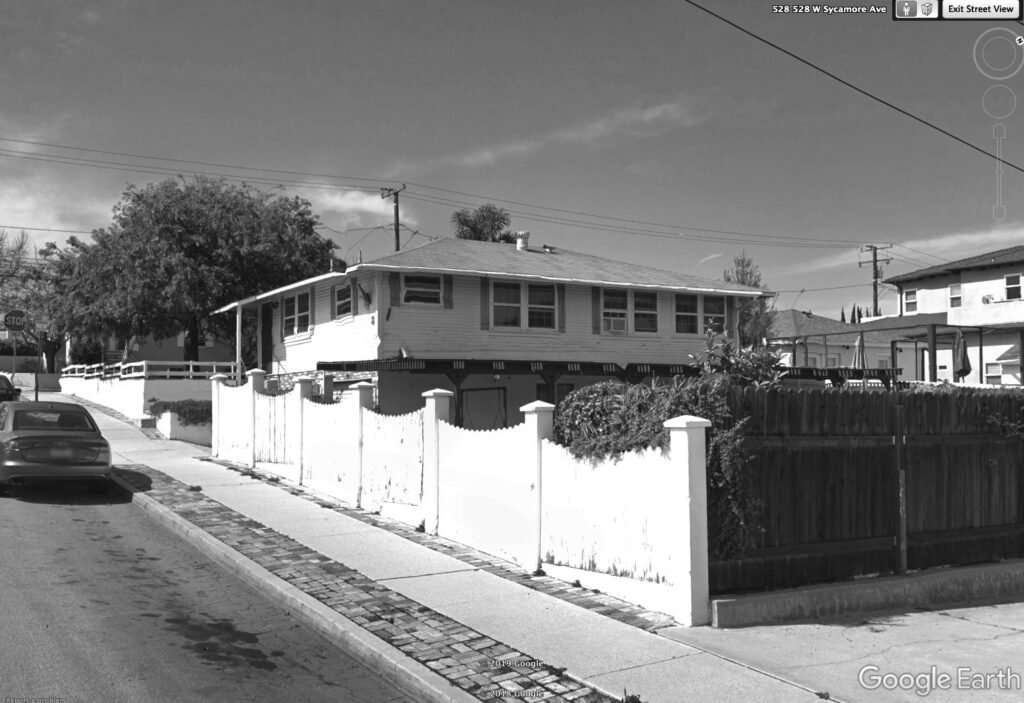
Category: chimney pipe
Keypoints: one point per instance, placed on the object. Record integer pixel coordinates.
(522, 241)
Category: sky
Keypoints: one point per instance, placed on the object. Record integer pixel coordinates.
(651, 132)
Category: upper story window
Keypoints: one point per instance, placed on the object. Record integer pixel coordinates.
(955, 296)
(296, 314)
(539, 308)
(343, 300)
(425, 290)
(714, 313)
(645, 311)
(614, 310)
(686, 314)
(910, 301)
(1013, 286)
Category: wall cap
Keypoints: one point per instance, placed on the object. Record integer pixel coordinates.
(537, 406)
(437, 393)
(685, 422)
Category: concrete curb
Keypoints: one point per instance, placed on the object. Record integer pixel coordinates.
(407, 674)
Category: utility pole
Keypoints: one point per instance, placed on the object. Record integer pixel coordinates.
(876, 271)
(386, 193)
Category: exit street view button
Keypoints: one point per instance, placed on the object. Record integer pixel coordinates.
(983, 10)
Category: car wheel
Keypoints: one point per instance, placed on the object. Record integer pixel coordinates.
(99, 488)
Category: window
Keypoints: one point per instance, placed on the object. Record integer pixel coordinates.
(343, 300)
(812, 361)
(686, 314)
(910, 301)
(425, 290)
(994, 374)
(714, 313)
(645, 312)
(507, 305)
(53, 421)
(614, 310)
(1013, 286)
(832, 361)
(955, 299)
(883, 362)
(296, 314)
(540, 307)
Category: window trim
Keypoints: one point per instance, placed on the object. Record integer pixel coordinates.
(695, 315)
(998, 375)
(616, 313)
(724, 315)
(524, 307)
(910, 298)
(296, 315)
(959, 297)
(1017, 286)
(406, 289)
(633, 312)
(338, 292)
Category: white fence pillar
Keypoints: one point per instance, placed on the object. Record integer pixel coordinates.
(365, 391)
(540, 425)
(438, 407)
(257, 379)
(302, 392)
(217, 380)
(686, 437)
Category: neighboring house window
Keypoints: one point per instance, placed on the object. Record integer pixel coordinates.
(812, 361)
(421, 289)
(832, 361)
(686, 314)
(1013, 286)
(714, 313)
(540, 306)
(883, 362)
(614, 310)
(645, 312)
(955, 298)
(296, 314)
(343, 300)
(507, 305)
(994, 374)
(910, 301)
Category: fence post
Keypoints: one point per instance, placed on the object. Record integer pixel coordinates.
(256, 385)
(686, 447)
(303, 392)
(540, 425)
(901, 477)
(438, 408)
(365, 391)
(217, 380)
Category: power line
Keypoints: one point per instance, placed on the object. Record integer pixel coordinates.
(860, 90)
(45, 229)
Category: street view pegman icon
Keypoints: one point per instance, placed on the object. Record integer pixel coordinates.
(906, 8)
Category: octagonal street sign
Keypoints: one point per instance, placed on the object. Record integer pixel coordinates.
(14, 321)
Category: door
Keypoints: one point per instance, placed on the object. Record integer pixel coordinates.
(267, 337)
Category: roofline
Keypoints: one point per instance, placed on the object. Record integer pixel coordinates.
(277, 291)
(369, 266)
(952, 267)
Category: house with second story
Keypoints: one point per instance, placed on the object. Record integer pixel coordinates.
(498, 324)
(981, 296)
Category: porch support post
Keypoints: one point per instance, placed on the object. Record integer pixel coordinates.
(933, 366)
(238, 343)
(981, 355)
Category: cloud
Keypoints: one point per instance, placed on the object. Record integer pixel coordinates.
(930, 250)
(632, 122)
(356, 208)
(708, 258)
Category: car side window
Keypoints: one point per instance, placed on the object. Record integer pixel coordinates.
(5, 383)
(3, 416)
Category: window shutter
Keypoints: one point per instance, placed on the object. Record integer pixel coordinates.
(334, 301)
(396, 289)
(560, 304)
(312, 306)
(446, 291)
(354, 295)
(280, 317)
(595, 305)
(485, 304)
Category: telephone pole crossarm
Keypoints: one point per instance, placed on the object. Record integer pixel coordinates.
(876, 271)
(386, 193)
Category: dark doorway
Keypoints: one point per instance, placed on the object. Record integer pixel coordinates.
(267, 337)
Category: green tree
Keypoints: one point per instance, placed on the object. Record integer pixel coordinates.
(178, 249)
(754, 320)
(842, 314)
(488, 223)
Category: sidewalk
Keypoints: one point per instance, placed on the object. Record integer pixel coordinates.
(441, 620)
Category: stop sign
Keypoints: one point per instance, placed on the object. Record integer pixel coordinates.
(15, 320)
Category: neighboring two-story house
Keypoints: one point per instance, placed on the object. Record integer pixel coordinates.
(980, 295)
(499, 324)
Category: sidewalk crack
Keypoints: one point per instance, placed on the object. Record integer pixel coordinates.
(435, 573)
(640, 666)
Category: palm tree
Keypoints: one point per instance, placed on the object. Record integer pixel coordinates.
(488, 223)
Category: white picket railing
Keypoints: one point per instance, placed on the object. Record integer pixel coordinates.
(151, 369)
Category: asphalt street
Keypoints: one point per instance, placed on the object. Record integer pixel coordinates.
(97, 603)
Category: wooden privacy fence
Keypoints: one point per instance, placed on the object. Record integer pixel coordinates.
(854, 483)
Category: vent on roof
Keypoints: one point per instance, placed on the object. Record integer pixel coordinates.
(522, 241)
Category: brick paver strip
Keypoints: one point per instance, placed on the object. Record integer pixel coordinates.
(456, 652)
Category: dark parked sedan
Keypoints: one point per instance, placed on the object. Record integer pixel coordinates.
(51, 441)
(7, 389)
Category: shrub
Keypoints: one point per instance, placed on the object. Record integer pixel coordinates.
(190, 412)
(85, 351)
